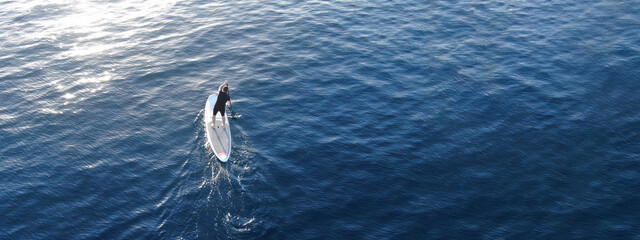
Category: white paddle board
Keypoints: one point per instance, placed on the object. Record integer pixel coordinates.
(219, 138)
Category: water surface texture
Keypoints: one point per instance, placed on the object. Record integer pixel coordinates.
(360, 119)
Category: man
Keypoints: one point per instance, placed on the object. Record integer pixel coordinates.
(223, 97)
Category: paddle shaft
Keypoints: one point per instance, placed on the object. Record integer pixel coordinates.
(231, 106)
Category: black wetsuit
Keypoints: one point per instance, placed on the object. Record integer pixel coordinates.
(223, 97)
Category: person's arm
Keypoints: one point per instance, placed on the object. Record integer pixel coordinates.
(222, 85)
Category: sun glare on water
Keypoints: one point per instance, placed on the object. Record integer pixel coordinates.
(86, 34)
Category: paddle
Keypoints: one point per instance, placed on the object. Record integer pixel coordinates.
(233, 116)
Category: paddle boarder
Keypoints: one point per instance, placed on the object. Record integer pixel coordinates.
(223, 97)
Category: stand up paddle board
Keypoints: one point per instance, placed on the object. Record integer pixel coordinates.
(219, 138)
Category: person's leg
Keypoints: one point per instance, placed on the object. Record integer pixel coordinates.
(213, 119)
(223, 121)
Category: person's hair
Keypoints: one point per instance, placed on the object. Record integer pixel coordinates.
(225, 89)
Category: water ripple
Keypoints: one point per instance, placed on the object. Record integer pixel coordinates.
(361, 120)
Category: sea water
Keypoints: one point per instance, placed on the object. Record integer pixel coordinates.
(360, 119)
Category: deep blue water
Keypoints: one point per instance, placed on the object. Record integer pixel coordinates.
(361, 119)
